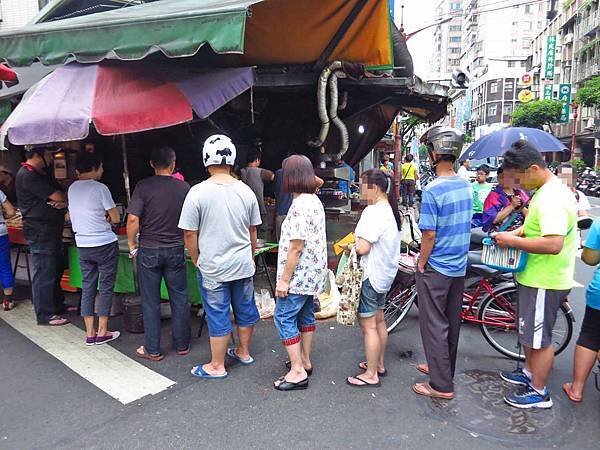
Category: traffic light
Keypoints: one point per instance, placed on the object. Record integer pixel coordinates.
(460, 79)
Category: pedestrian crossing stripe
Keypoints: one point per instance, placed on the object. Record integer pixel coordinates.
(105, 367)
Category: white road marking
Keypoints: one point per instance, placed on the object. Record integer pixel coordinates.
(108, 369)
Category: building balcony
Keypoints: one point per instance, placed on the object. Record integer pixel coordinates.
(588, 26)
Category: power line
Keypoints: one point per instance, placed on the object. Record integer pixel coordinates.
(476, 12)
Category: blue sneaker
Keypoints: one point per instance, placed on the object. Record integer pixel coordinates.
(517, 377)
(528, 397)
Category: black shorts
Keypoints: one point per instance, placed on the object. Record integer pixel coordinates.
(589, 336)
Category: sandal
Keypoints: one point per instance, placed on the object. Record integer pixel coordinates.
(288, 365)
(184, 352)
(364, 382)
(141, 353)
(568, 388)
(426, 390)
(8, 305)
(363, 365)
(423, 368)
(57, 321)
(233, 355)
(199, 372)
(285, 385)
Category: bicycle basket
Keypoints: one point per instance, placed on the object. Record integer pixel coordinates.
(502, 259)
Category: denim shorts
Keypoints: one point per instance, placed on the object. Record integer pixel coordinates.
(294, 314)
(371, 301)
(220, 297)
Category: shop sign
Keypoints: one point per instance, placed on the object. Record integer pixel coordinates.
(564, 95)
(548, 91)
(526, 80)
(525, 96)
(550, 57)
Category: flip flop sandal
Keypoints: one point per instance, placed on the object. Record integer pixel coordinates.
(144, 355)
(246, 362)
(365, 383)
(426, 390)
(107, 337)
(199, 372)
(288, 365)
(423, 368)
(363, 365)
(183, 352)
(290, 386)
(567, 389)
(7, 306)
(58, 321)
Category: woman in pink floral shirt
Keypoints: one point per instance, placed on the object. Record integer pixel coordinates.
(301, 270)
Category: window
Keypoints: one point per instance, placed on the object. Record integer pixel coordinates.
(523, 63)
(515, 24)
(511, 63)
(454, 38)
(528, 9)
(507, 109)
(454, 28)
(455, 6)
(509, 85)
(492, 110)
(454, 50)
(493, 87)
(526, 43)
(513, 41)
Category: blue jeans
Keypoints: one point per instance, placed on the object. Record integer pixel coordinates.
(98, 273)
(220, 297)
(169, 263)
(6, 273)
(47, 269)
(294, 314)
(371, 301)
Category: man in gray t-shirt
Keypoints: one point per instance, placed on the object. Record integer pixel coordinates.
(256, 177)
(219, 219)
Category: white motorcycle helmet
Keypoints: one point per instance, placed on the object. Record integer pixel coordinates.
(218, 150)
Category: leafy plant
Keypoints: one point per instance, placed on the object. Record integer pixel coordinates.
(537, 113)
(589, 93)
(578, 164)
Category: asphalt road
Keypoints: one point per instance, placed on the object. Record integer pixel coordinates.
(44, 404)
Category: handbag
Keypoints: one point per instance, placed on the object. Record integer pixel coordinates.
(407, 269)
(503, 259)
(351, 287)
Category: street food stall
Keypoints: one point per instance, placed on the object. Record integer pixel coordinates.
(319, 77)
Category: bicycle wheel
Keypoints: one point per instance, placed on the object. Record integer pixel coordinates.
(499, 323)
(397, 305)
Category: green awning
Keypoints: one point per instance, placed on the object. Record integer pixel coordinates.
(177, 28)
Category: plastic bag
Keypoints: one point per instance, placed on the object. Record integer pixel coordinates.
(329, 299)
(265, 304)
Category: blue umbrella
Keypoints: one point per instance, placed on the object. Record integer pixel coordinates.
(498, 142)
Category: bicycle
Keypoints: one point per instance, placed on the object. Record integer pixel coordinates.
(490, 301)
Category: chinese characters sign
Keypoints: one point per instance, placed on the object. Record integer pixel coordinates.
(564, 95)
(550, 57)
(548, 92)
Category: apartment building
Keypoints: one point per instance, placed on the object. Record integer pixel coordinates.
(496, 44)
(575, 37)
(16, 13)
(447, 38)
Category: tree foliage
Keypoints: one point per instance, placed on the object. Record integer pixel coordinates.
(537, 113)
(589, 94)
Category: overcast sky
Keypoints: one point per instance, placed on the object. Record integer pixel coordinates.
(418, 13)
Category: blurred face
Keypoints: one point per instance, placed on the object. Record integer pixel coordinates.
(467, 164)
(505, 181)
(567, 176)
(528, 179)
(481, 176)
(368, 192)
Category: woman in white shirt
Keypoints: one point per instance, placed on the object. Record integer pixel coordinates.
(378, 245)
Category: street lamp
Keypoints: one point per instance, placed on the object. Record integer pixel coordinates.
(575, 107)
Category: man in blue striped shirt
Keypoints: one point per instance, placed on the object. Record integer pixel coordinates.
(445, 221)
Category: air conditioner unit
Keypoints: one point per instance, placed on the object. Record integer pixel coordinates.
(568, 38)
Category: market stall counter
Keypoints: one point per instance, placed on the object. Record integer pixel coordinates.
(125, 282)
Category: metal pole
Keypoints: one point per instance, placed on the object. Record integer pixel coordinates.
(397, 143)
(125, 168)
(573, 140)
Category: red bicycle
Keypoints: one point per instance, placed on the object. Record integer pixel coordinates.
(490, 301)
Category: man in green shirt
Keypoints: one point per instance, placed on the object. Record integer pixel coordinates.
(481, 190)
(549, 235)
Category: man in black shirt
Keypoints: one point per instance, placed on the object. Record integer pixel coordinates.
(42, 203)
(153, 213)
